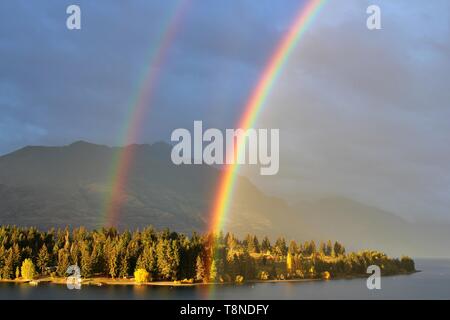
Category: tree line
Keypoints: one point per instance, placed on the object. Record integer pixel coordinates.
(171, 256)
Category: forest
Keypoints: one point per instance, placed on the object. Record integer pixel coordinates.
(151, 255)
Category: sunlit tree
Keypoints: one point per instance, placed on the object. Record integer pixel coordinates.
(28, 271)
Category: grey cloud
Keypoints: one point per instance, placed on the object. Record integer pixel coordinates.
(363, 115)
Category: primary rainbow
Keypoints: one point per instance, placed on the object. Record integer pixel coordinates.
(123, 158)
(256, 102)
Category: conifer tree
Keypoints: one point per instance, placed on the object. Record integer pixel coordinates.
(199, 269)
(280, 247)
(322, 248)
(86, 262)
(113, 261)
(329, 248)
(8, 265)
(213, 271)
(265, 245)
(63, 262)
(293, 248)
(43, 258)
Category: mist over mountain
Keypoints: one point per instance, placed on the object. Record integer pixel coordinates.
(67, 186)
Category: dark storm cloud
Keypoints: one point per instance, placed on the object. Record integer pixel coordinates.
(81, 84)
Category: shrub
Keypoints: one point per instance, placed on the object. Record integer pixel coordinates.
(141, 276)
(263, 275)
(27, 270)
(299, 274)
(188, 281)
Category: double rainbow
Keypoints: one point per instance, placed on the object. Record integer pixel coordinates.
(255, 104)
(123, 159)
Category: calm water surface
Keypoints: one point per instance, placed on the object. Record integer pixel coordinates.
(432, 283)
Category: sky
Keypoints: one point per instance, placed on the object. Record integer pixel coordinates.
(362, 114)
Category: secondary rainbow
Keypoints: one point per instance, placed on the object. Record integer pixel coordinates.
(138, 107)
(255, 104)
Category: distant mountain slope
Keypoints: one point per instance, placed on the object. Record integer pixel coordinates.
(58, 186)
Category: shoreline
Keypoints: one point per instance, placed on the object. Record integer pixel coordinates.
(103, 281)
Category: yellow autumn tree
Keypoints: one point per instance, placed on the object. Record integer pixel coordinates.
(27, 269)
(289, 262)
(141, 275)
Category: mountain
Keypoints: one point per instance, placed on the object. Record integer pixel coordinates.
(59, 186)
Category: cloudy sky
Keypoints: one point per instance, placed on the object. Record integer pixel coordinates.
(362, 114)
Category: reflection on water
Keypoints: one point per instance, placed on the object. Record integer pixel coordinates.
(432, 283)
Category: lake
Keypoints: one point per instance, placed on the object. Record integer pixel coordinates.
(433, 282)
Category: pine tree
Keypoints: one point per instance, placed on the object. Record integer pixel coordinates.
(63, 262)
(213, 271)
(252, 244)
(293, 248)
(98, 258)
(175, 259)
(43, 259)
(312, 247)
(265, 245)
(124, 265)
(74, 254)
(329, 247)
(162, 253)
(16, 256)
(147, 260)
(280, 247)
(86, 262)
(256, 244)
(113, 262)
(231, 243)
(322, 248)
(338, 249)
(199, 269)
(8, 266)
